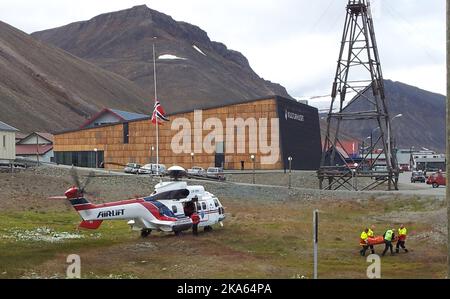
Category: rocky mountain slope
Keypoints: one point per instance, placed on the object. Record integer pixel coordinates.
(192, 70)
(422, 123)
(43, 88)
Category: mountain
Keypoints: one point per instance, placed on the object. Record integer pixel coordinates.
(422, 123)
(43, 88)
(192, 71)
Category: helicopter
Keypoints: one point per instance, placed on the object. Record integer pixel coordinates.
(168, 209)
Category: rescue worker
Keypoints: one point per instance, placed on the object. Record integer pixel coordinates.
(364, 242)
(370, 234)
(388, 237)
(195, 221)
(401, 239)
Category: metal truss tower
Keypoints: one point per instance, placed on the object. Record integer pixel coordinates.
(358, 96)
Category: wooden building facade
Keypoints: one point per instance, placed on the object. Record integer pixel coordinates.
(291, 127)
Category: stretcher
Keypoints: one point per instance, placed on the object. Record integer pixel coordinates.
(379, 240)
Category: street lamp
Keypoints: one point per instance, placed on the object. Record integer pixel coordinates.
(363, 146)
(253, 160)
(290, 171)
(355, 184)
(151, 154)
(96, 157)
(389, 137)
(411, 160)
(192, 160)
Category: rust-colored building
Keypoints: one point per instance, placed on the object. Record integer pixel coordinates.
(272, 129)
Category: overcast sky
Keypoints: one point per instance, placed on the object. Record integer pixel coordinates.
(291, 42)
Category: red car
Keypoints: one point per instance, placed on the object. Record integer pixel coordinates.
(437, 179)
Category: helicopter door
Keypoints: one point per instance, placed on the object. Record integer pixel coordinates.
(203, 212)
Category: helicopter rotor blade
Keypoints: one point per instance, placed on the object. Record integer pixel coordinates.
(75, 177)
(92, 193)
(88, 180)
(57, 197)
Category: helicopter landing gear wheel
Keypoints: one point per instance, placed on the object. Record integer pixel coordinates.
(208, 229)
(145, 232)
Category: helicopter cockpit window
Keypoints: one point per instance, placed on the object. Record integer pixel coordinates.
(199, 207)
(174, 209)
(203, 205)
(216, 203)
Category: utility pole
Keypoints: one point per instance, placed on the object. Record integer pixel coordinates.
(37, 149)
(253, 157)
(358, 71)
(448, 139)
(290, 172)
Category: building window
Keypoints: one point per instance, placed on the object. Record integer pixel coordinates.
(126, 136)
(80, 159)
(4, 141)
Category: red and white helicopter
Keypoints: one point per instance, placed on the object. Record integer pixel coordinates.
(168, 209)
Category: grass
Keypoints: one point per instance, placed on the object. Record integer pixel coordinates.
(260, 240)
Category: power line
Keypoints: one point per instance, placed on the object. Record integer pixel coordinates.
(411, 29)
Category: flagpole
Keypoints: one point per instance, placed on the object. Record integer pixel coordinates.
(157, 122)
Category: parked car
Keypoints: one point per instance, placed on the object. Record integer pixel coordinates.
(215, 173)
(196, 171)
(152, 169)
(418, 176)
(132, 168)
(146, 169)
(380, 172)
(405, 168)
(437, 179)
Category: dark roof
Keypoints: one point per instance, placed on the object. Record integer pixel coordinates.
(21, 136)
(128, 115)
(122, 115)
(8, 128)
(146, 117)
(30, 149)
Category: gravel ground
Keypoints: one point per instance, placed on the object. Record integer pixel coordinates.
(18, 190)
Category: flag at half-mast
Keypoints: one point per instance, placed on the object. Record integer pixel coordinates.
(159, 114)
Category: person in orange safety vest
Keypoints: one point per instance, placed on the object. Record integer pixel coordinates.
(364, 242)
(401, 239)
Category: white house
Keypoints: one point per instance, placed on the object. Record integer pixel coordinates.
(7, 143)
(36, 146)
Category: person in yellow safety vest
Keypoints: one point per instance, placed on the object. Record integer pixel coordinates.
(370, 234)
(363, 242)
(401, 239)
(388, 237)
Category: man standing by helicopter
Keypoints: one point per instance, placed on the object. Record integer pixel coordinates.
(195, 221)
(190, 211)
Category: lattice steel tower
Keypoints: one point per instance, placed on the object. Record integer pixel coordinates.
(360, 80)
